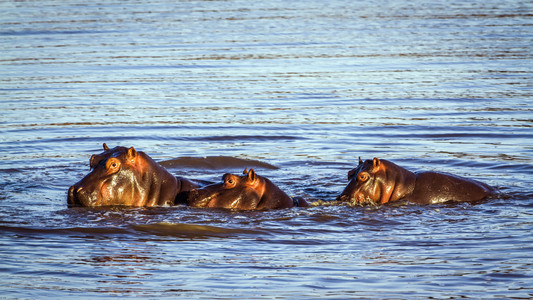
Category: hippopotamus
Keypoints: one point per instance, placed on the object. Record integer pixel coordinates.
(247, 192)
(125, 177)
(379, 181)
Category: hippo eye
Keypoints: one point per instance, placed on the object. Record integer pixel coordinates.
(230, 181)
(363, 177)
(112, 165)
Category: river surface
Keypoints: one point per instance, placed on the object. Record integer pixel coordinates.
(297, 91)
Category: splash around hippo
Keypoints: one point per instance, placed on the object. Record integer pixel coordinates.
(125, 177)
(379, 181)
(247, 192)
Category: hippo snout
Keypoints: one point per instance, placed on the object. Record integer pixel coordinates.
(342, 198)
(355, 199)
(71, 198)
(77, 196)
(200, 197)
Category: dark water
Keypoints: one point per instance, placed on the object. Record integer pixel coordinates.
(297, 90)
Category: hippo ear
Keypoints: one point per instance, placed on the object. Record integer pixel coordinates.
(91, 161)
(376, 162)
(132, 153)
(360, 160)
(251, 175)
(105, 147)
(245, 171)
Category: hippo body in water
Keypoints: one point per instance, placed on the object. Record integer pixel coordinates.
(380, 181)
(247, 192)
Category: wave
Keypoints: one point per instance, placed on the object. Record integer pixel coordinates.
(191, 231)
(177, 230)
(31, 231)
(54, 32)
(247, 138)
(215, 162)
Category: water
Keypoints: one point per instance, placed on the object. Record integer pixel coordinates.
(296, 90)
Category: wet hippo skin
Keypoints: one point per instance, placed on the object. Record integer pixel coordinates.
(126, 177)
(380, 181)
(247, 192)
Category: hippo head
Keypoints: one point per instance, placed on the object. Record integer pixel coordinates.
(359, 190)
(376, 182)
(233, 192)
(122, 176)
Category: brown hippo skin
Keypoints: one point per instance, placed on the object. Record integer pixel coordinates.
(247, 192)
(125, 177)
(380, 181)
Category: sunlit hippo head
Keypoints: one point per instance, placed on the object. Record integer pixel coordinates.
(380, 181)
(247, 192)
(125, 177)
(376, 182)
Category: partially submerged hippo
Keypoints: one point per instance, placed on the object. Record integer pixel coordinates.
(380, 181)
(247, 192)
(126, 177)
